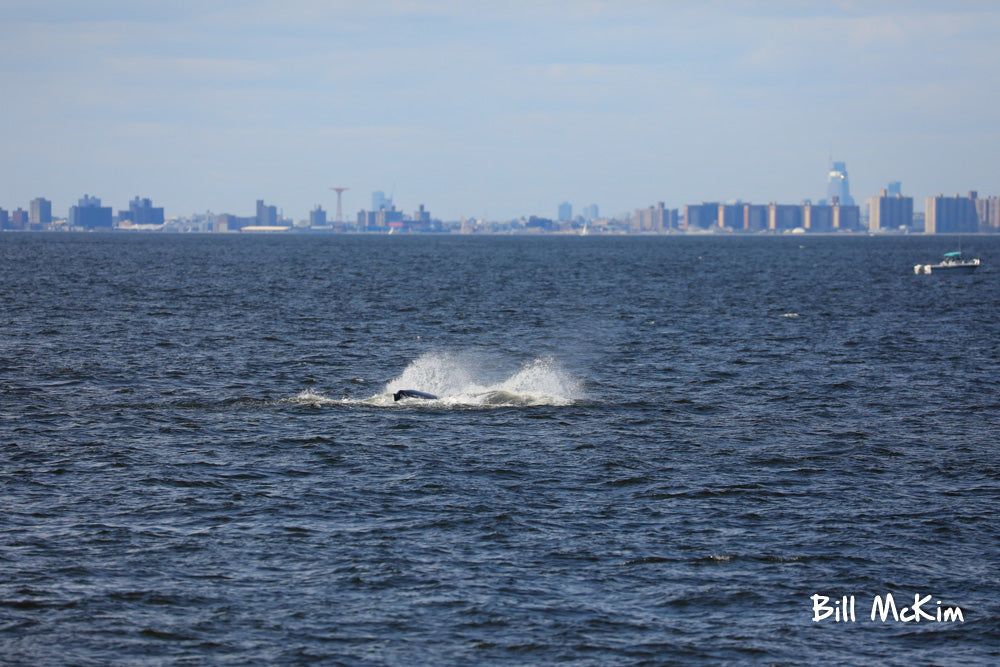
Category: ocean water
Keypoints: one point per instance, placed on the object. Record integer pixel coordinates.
(644, 450)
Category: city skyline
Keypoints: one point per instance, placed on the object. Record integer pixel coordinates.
(494, 111)
(891, 211)
(838, 190)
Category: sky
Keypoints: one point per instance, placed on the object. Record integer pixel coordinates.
(493, 109)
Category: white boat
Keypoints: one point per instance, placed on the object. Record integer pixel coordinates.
(952, 262)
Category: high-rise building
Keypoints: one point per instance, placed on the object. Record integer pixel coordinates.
(4, 219)
(384, 217)
(817, 217)
(267, 216)
(590, 212)
(837, 185)
(890, 211)
(951, 215)
(142, 212)
(988, 211)
(89, 214)
(565, 212)
(755, 217)
(422, 217)
(846, 217)
(657, 219)
(317, 217)
(19, 219)
(783, 217)
(41, 211)
(380, 201)
(701, 216)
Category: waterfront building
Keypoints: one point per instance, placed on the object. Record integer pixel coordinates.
(142, 212)
(817, 217)
(422, 217)
(846, 217)
(783, 217)
(40, 211)
(656, 219)
(951, 215)
(89, 214)
(317, 217)
(13, 219)
(19, 219)
(227, 222)
(379, 200)
(379, 219)
(267, 216)
(754, 217)
(890, 211)
(701, 216)
(988, 212)
(366, 220)
(837, 185)
(565, 212)
(730, 216)
(384, 217)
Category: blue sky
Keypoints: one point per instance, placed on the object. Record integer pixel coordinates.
(493, 109)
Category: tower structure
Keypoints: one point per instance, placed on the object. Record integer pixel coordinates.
(837, 186)
(951, 215)
(89, 214)
(890, 210)
(41, 211)
(565, 212)
(340, 210)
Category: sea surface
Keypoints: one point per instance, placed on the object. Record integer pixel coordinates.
(644, 450)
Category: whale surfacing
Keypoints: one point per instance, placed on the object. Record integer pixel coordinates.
(412, 393)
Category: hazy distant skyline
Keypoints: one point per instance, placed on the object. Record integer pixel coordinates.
(493, 109)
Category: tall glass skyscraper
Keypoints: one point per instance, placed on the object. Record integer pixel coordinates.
(838, 186)
(565, 212)
(380, 201)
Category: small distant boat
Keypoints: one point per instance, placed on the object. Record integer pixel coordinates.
(952, 262)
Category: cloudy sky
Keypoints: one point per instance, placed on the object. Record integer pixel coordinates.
(496, 108)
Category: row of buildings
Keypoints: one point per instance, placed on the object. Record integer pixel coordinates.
(890, 211)
(87, 214)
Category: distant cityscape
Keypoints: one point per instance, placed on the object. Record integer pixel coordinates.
(888, 212)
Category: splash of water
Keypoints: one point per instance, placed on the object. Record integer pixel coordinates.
(465, 380)
(469, 380)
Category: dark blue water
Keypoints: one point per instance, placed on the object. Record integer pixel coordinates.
(645, 450)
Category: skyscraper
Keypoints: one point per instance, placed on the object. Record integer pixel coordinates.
(142, 212)
(890, 210)
(951, 215)
(379, 200)
(267, 216)
(89, 214)
(837, 186)
(41, 211)
(317, 217)
(565, 212)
